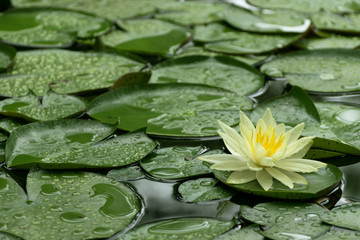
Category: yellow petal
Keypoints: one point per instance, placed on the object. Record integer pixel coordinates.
(254, 167)
(293, 134)
(233, 146)
(281, 177)
(230, 166)
(267, 162)
(265, 179)
(219, 158)
(298, 147)
(268, 118)
(259, 152)
(300, 165)
(295, 177)
(241, 177)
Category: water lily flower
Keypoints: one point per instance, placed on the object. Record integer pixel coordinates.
(264, 153)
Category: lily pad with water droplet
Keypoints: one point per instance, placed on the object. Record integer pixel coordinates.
(51, 107)
(319, 184)
(321, 70)
(333, 22)
(204, 189)
(248, 232)
(10, 124)
(65, 71)
(285, 220)
(174, 162)
(332, 41)
(347, 216)
(67, 144)
(147, 36)
(132, 79)
(340, 233)
(40, 27)
(137, 106)
(7, 55)
(179, 229)
(267, 21)
(214, 71)
(68, 205)
(2, 151)
(3, 137)
(126, 174)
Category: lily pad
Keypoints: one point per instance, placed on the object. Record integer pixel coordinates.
(314, 153)
(192, 12)
(179, 229)
(7, 55)
(65, 71)
(340, 233)
(347, 216)
(137, 106)
(321, 70)
(10, 124)
(310, 5)
(126, 174)
(174, 162)
(332, 41)
(74, 144)
(147, 36)
(3, 137)
(320, 183)
(343, 23)
(68, 205)
(2, 151)
(204, 189)
(267, 21)
(40, 27)
(248, 232)
(51, 107)
(131, 79)
(214, 71)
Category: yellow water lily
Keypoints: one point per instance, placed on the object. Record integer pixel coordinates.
(264, 153)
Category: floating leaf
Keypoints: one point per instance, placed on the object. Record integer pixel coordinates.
(267, 21)
(347, 216)
(147, 36)
(7, 55)
(319, 70)
(137, 106)
(51, 107)
(332, 41)
(340, 233)
(345, 23)
(40, 27)
(65, 71)
(68, 205)
(204, 189)
(174, 162)
(314, 153)
(74, 144)
(179, 229)
(131, 79)
(126, 173)
(3, 137)
(320, 183)
(10, 124)
(248, 232)
(214, 71)
(2, 151)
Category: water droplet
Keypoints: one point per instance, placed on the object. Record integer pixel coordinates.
(103, 231)
(179, 226)
(49, 189)
(73, 217)
(348, 116)
(327, 76)
(166, 173)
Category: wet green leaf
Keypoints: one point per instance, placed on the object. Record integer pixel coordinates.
(147, 36)
(320, 183)
(340, 233)
(347, 216)
(7, 55)
(174, 162)
(179, 229)
(204, 189)
(7, 236)
(10, 124)
(136, 107)
(65, 71)
(132, 79)
(248, 232)
(319, 70)
(267, 21)
(74, 144)
(126, 173)
(3, 137)
(345, 23)
(214, 71)
(321, 154)
(333, 41)
(68, 205)
(51, 107)
(2, 151)
(40, 27)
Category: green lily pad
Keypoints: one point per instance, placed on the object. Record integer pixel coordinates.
(137, 106)
(319, 70)
(51, 107)
(3, 137)
(40, 27)
(340, 233)
(332, 41)
(147, 36)
(347, 216)
(179, 229)
(7, 236)
(110, 9)
(126, 173)
(2, 151)
(343, 23)
(68, 205)
(192, 12)
(248, 232)
(314, 153)
(227, 40)
(74, 144)
(65, 71)
(267, 21)
(131, 79)
(204, 189)
(10, 124)
(320, 183)
(310, 5)
(214, 71)
(174, 162)
(7, 55)
(286, 219)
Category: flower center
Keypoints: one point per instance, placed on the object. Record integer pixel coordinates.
(269, 140)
